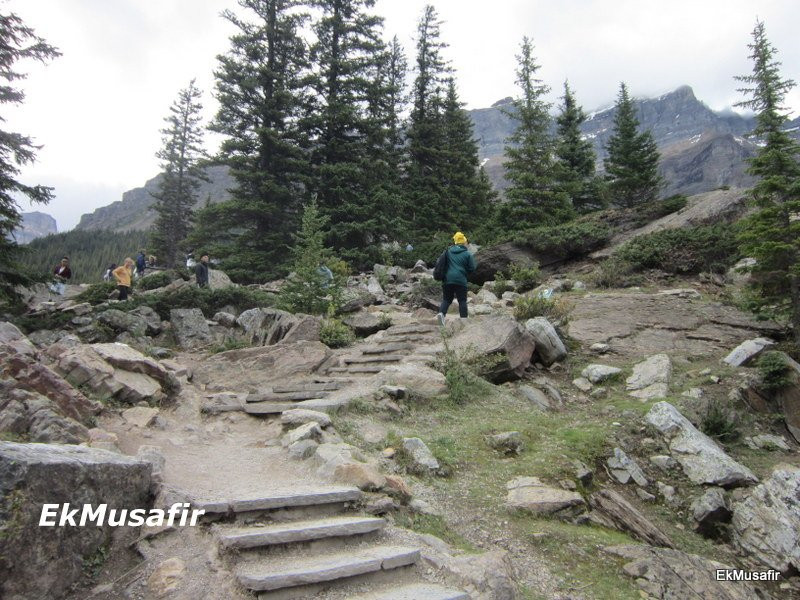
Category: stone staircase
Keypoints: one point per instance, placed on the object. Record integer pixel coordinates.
(298, 394)
(312, 543)
(399, 343)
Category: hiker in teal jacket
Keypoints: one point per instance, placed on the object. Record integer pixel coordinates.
(460, 263)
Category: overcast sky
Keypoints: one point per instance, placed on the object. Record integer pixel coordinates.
(98, 109)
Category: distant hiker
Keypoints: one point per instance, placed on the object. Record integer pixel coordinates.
(190, 262)
(326, 275)
(109, 274)
(409, 247)
(141, 264)
(123, 276)
(201, 271)
(460, 263)
(151, 261)
(62, 274)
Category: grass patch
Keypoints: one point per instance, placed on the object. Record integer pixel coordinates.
(436, 526)
(229, 344)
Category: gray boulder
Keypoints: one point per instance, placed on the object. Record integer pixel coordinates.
(268, 326)
(27, 413)
(549, 347)
(501, 340)
(43, 561)
(612, 510)
(225, 319)
(703, 461)
(149, 317)
(766, 525)
(190, 328)
(596, 373)
(123, 321)
(363, 322)
(529, 494)
(356, 298)
(507, 442)
(709, 511)
(624, 469)
(747, 351)
(422, 459)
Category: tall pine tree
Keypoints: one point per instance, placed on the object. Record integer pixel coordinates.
(182, 175)
(632, 161)
(261, 92)
(345, 57)
(466, 190)
(576, 157)
(425, 130)
(772, 234)
(17, 42)
(533, 196)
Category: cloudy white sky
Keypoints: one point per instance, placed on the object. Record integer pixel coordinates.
(98, 109)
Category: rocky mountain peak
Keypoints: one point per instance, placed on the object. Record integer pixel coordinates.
(35, 225)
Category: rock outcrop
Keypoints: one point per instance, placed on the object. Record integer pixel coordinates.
(44, 562)
(549, 347)
(612, 510)
(268, 326)
(703, 461)
(529, 494)
(650, 378)
(766, 524)
(501, 340)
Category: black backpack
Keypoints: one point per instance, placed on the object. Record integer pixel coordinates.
(440, 269)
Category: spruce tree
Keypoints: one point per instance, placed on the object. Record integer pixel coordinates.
(345, 58)
(632, 161)
(425, 130)
(17, 42)
(576, 157)
(533, 196)
(180, 157)
(466, 193)
(261, 92)
(772, 234)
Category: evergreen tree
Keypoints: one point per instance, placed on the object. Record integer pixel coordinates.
(632, 161)
(17, 42)
(346, 58)
(311, 289)
(467, 194)
(182, 175)
(534, 197)
(425, 130)
(261, 92)
(576, 157)
(772, 234)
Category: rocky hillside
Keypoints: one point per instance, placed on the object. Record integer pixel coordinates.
(133, 211)
(701, 149)
(35, 225)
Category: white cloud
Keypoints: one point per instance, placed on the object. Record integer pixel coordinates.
(98, 108)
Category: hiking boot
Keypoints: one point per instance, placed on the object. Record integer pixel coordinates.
(440, 318)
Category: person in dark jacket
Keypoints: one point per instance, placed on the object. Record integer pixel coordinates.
(201, 271)
(141, 264)
(62, 274)
(460, 263)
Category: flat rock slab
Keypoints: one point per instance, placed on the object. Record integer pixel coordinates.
(637, 324)
(669, 574)
(531, 495)
(703, 461)
(612, 510)
(327, 568)
(299, 531)
(288, 499)
(747, 351)
(415, 591)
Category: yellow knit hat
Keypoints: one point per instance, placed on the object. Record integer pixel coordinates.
(459, 238)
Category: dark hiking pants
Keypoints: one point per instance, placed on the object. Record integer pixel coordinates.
(449, 291)
(123, 292)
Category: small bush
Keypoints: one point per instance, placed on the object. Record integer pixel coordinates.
(50, 320)
(229, 344)
(661, 208)
(528, 307)
(464, 371)
(525, 278)
(384, 321)
(156, 280)
(96, 293)
(615, 273)
(336, 334)
(500, 284)
(570, 240)
(691, 250)
(720, 422)
(773, 370)
(207, 300)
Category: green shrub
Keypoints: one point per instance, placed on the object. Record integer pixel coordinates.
(229, 344)
(720, 422)
(687, 250)
(207, 300)
(534, 305)
(96, 293)
(525, 278)
(50, 320)
(660, 208)
(464, 372)
(336, 334)
(384, 321)
(615, 273)
(156, 280)
(569, 240)
(500, 284)
(773, 370)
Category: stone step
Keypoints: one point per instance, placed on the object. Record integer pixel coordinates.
(372, 358)
(269, 408)
(386, 348)
(415, 591)
(329, 567)
(416, 339)
(414, 328)
(356, 369)
(285, 396)
(312, 496)
(299, 531)
(328, 386)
